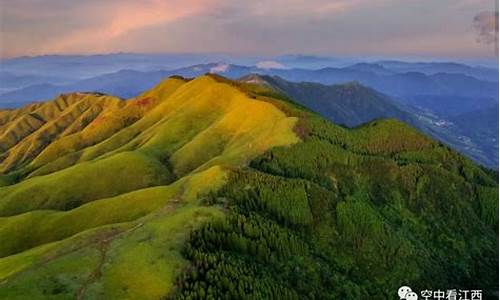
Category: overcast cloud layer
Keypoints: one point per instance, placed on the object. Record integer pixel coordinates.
(435, 28)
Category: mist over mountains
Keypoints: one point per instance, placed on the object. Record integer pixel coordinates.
(441, 98)
(107, 73)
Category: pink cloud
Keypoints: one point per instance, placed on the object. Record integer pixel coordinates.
(341, 6)
(33, 27)
(338, 6)
(123, 17)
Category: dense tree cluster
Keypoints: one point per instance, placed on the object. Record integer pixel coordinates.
(348, 214)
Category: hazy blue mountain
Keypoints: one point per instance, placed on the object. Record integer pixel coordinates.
(482, 127)
(28, 94)
(450, 106)
(312, 61)
(395, 78)
(124, 83)
(406, 85)
(75, 67)
(478, 72)
(71, 67)
(399, 84)
(475, 119)
(9, 81)
(129, 83)
(371, 67)
(86, 66)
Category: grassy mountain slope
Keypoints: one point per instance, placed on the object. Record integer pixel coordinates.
(25, 132)
(214, 188)
(135, 170)
(148, 226)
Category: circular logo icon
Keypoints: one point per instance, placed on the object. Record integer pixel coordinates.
(405, 293)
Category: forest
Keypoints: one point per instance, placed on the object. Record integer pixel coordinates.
(347, 214)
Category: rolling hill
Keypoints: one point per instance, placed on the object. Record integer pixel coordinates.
(213, 188)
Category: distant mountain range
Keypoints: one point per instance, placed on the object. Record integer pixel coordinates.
(403, 84)
(429, 96)
(483, 73)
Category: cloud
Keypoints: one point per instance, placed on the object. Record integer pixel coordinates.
(269, 64)
(219, 68)
(121, 18)
(268, 27)
(486, 25)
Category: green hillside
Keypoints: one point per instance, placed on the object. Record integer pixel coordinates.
(351, 104)
(214, 189)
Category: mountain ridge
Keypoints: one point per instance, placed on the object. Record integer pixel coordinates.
(384, 82)
(214, 176)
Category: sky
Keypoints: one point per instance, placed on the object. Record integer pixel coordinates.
(426, 28)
